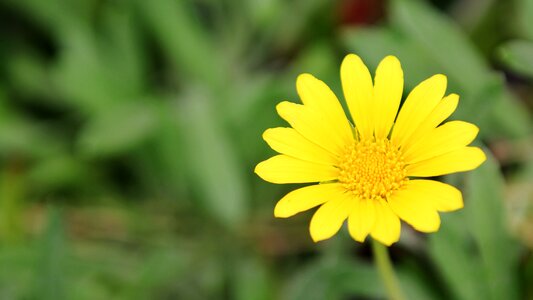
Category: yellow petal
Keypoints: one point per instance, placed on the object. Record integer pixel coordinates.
(329, 218)
(414, 207)
(289, 142)
(418, 105)
(464, 159)
(286, 169)
(361, 219)
(311, 125)
(440, 113)
(306, 198)
(316, 95)
(387, 225)
(442, 196)
(358, 90)
(441, 140)
(388, 87)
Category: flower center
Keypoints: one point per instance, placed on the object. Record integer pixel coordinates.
(372, 169)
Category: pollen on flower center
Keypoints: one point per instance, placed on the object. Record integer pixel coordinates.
(372, 169)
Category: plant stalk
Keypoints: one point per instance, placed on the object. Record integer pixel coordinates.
(386, 271)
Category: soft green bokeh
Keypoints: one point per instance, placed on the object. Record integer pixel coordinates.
(129, 131)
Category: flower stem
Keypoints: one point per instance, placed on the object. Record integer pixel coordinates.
(386, 271)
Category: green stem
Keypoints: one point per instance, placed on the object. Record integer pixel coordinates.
(386, 271)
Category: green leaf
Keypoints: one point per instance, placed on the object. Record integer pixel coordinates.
(458, 266)
(266, 13)
(473, 249)
(320, 60)
(120, 128)
(289, 27)
(213, 164)
(442, 40)
(122, 47)
(508, 117)
(486, 217)
(252, 280)
(54, 15)
(184, 40)
(524, 15)
(449, 51)
(29, 77)
(18, 267)
(325, 279)
(12, 194)
(341, 278)
(50, 277)
(159, 269)
(57, 172)
(24, 136)
(518, 56)
(373, 44)
(90, 76)
(415, 283)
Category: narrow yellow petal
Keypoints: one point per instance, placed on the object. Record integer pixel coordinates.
(358, 89)
(388, 87)
(440, 113)
(311, 125)
(329, 218)
(418, 105)
(316, 95)
(289, 142)
(286, 169)
(441, 140)
(306, 198)
(387, 227)
(442, 196)
(414, 207)
(464, 159)
(361, 219)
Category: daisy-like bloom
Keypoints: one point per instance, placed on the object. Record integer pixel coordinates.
(371, 172)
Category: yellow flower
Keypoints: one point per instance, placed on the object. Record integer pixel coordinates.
(370, 174)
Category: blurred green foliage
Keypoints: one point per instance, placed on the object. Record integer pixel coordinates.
(129, 131)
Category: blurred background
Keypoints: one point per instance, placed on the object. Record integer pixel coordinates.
(129, 131)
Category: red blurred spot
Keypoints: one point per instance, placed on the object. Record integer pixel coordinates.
(360, 11)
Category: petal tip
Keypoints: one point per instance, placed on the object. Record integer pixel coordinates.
(281, 105)
(350, 65)
(282, 108)
(434, 227)
(351, 57)
(483, 156)
(257, 168)
(480, 156)
(279, 212)
(391, 59)
(441, 80)
(359, 238)
(475, 130)
(440, 77)
(391, 56)
(260, 171)
(304, 76)
(317, 239)
(454, 98)
(384, 242)
(459, 206)
(266, 134)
